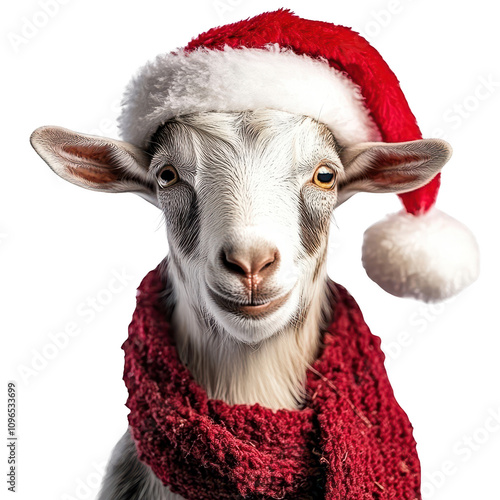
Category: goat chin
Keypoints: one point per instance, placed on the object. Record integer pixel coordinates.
(270, 371)
(253, 331)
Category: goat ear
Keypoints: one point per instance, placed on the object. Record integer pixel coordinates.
(95, 162)
(379, 167)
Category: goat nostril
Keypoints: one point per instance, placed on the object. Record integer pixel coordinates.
(265, 264)
(235, 268)
(233, 264)
(248, 264)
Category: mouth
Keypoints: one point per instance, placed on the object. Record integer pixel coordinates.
(249, 310)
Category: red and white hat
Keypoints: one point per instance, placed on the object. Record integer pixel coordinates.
(279, 61)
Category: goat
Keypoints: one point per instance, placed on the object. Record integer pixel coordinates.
(247, 199)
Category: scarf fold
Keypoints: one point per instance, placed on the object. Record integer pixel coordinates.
(351, 441)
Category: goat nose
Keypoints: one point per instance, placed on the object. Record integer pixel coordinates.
(251, 263)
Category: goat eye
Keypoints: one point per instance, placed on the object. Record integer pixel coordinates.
(325, 177)
(167, 176)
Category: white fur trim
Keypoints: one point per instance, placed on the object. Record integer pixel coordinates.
(429, 257)
(242, 79)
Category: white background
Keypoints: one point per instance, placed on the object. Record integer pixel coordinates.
(60, 245)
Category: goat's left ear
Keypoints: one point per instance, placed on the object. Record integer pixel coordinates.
(379, 167)
(96, 163)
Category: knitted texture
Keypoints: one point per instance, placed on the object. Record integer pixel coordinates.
(350, 441)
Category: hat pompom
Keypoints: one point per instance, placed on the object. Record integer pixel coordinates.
(429, 256)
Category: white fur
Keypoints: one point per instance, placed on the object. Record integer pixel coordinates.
(270, 373)
(252, 174)
(242, 79)
(429, 257)
(248, 194)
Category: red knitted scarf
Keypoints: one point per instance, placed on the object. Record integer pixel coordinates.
(351, 441)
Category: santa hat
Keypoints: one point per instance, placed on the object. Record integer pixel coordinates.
(279, 61)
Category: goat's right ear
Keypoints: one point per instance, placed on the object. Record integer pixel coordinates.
(96, 163)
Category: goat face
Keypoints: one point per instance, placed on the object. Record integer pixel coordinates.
(247, 198)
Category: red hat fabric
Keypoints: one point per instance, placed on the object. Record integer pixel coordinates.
(278, 60)
(346, 51)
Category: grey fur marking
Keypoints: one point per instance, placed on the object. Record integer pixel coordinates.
(129, 479)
